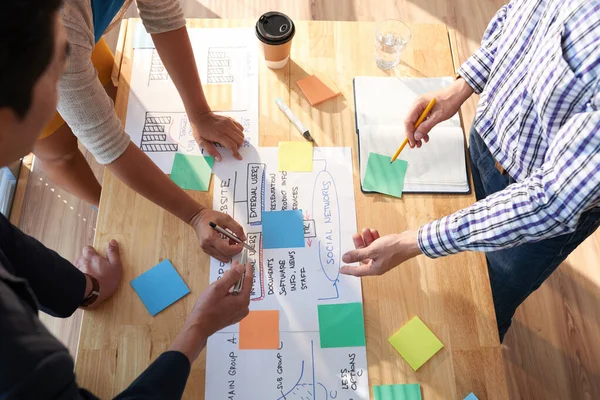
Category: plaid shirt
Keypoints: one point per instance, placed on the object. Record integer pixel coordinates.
(538, 73)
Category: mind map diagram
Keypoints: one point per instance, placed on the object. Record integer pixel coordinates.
(292, 280)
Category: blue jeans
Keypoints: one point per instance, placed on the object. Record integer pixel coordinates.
(516, 272)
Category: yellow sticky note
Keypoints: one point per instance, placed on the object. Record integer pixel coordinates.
(415, 343)
(295, 156)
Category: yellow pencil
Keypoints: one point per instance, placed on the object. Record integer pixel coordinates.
(419, 121)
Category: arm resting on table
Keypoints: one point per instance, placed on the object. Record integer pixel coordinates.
(548, 203)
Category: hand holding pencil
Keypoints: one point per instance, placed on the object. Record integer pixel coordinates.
(419, 121)
(448, 102)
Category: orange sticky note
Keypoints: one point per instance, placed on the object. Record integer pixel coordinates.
(315, 90)
(260, 330)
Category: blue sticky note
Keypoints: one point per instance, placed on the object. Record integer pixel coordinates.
(159, 287)
(471, 396)
(282, 229)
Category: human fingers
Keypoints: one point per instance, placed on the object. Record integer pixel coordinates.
(425, 127)
(247, 285)
(359, 243)
(210, 249)
(368, 236)
(211, 149)
(230, 278)
(225, 248)
(237, 132)
(226, 140)
(225, 221)
(357, 255)
(360, 270)
(89, 251)
(112, 253)
(375, 234)
(412, 116)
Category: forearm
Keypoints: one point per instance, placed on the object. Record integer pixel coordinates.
(138, 172)
(523, 212)
(548, 203)
(177, 55)
(462, 90)
(190, 341)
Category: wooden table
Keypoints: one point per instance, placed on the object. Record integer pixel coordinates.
(451, 295)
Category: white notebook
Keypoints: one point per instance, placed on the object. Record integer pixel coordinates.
(381, 104)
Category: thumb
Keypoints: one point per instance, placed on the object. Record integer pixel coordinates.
(211, 149)
(112, 252)
(231, 277)
(423, 129)
(356, 255)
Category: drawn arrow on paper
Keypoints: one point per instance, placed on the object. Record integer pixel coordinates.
(307, 215)
(309, 241)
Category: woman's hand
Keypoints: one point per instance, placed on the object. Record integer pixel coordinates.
(211, 241)
(209, 128)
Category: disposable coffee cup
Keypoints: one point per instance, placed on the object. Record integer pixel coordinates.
(275, 32)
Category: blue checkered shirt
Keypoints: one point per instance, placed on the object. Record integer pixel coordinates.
(537, 71)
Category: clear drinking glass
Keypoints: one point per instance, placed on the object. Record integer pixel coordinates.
(391, 37)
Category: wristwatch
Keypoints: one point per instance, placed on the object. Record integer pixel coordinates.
(93, 296)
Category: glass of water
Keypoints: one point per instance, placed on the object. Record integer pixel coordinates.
(391, 37)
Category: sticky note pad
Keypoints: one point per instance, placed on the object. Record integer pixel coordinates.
(282, 229)
(410, 391)
(159, 287)
(260, 330)
(383, 177)
(416, 343)
(341, 325)
(295, 156)
(471, 396)
(192, 172)
(315, 91)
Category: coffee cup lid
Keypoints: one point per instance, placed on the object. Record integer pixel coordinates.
(275, 28)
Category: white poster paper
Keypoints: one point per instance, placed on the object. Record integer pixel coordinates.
(294, 281)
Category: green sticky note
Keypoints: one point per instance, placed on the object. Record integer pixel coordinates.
(192, 172)
(383, 177)
(410, 391)
(341, 325)
(416, 343)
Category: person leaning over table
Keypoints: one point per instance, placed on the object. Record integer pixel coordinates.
(538, 74)
(34, 364)
(88, 109)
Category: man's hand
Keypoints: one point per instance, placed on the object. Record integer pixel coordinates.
(377, 255)
(209, 128)
(448, 102)
(211, 241)
(214, 310)
(107, 271)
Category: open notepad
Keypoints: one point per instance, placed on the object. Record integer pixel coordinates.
(381, 104)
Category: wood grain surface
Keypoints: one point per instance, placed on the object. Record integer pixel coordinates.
(451, 295)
